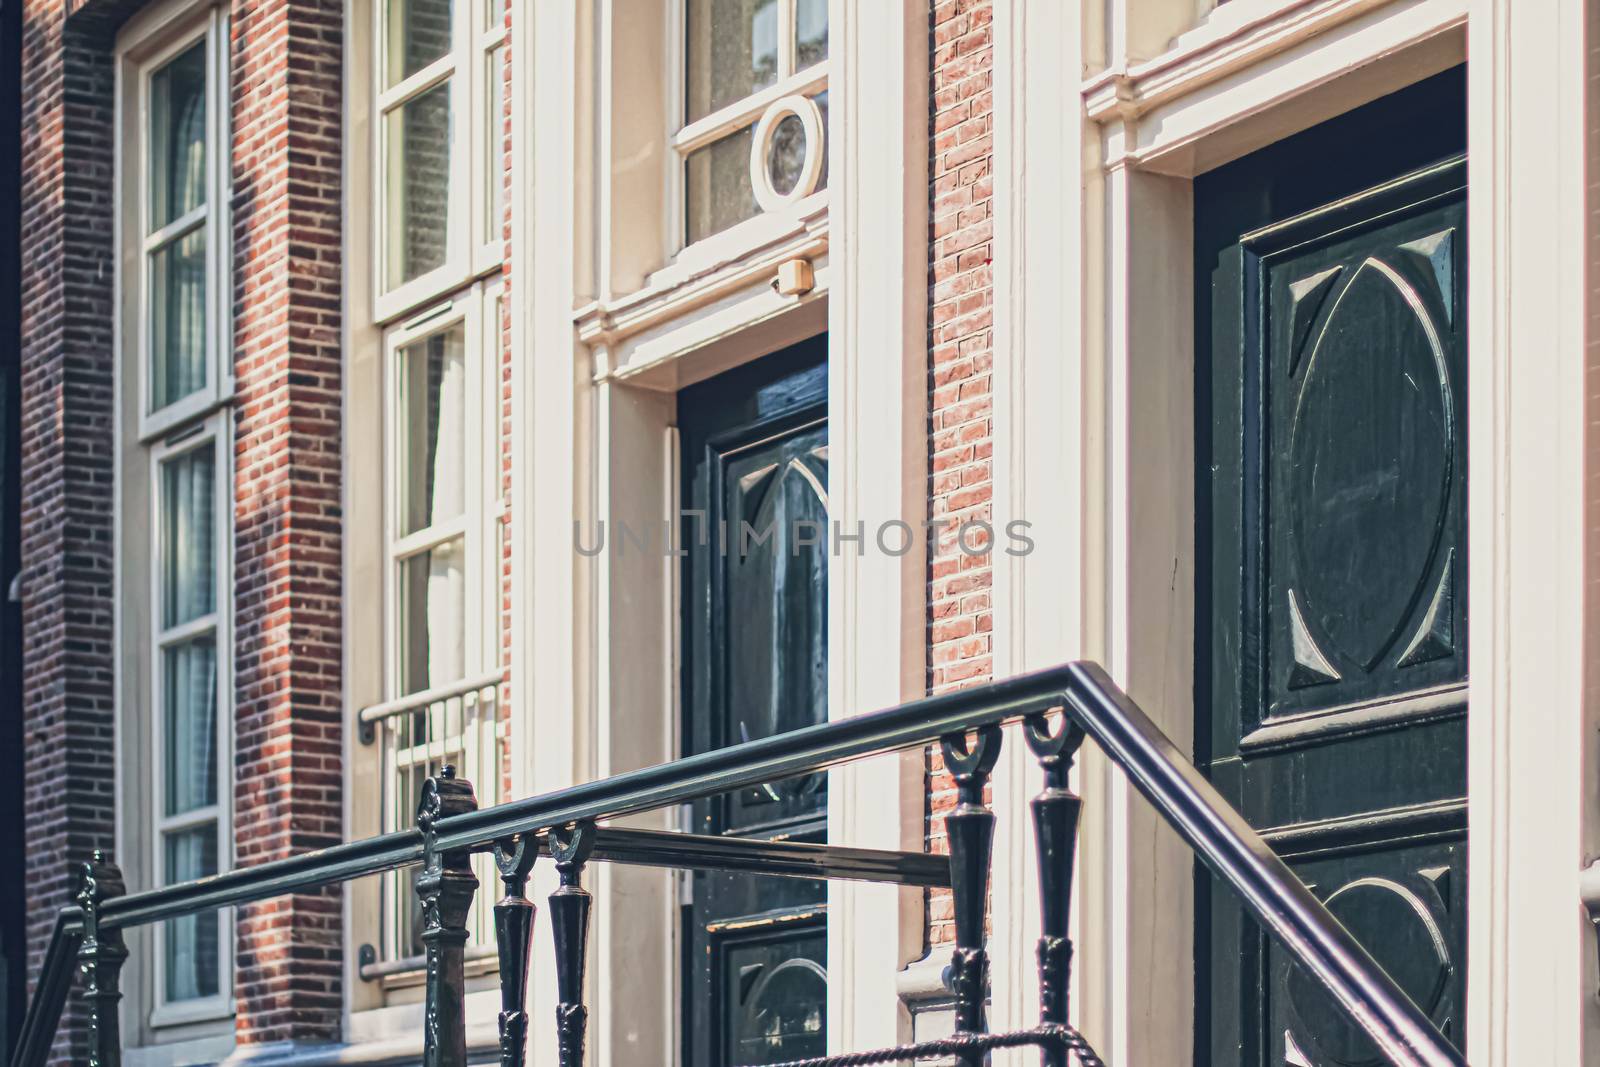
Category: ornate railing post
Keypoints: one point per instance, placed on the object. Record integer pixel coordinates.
(1055, 831)
(513, 933)
(100, 959)
(445, 887)
(569, 920)
(970, 829)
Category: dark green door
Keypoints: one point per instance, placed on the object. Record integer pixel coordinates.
(1333, 654)
(755, 663)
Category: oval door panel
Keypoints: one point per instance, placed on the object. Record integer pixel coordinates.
(1370, 457)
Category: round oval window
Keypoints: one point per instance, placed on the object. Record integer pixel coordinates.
(786, 152)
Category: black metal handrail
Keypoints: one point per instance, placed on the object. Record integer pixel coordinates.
(450, 828)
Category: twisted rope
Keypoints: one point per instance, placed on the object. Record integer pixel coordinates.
(957, 1044)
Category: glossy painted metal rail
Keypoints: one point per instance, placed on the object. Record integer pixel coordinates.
(562, 823)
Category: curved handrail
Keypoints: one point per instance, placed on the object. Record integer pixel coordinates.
(1200, 815)
(50, 995)
(1241, 858)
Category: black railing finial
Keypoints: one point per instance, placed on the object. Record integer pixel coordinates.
(970, 829)
(571, 846)
(100, 959)
(1055, 831)
(445, 887)
(513, 931)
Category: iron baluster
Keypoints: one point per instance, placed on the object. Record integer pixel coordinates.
(445, 888)
(513, 932)
(100, 959)
(970, 830)
(1055, 831)
(569, 920)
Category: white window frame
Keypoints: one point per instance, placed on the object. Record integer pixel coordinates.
(479, 526)
(770, 103)
(214, 433)
(471, 245)
(146, 440)
(488, 150)
(212, 216)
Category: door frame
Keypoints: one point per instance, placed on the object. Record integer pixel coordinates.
(595, 641)
(1093, 316)
(1091, 330)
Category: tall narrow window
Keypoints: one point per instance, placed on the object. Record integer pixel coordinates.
(187, 595)
(755, 109)
(181, 236)
(445, 515)
(174, 532)
(440, 107)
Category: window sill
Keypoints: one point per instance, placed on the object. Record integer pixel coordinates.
(741, 241)
(213, 1049)
(398, 974)
(186, 1013)
(384, 1034)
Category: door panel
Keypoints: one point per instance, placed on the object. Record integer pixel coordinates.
(1332, 659)
(755, 452)
(1406, 903)
(1364, 483)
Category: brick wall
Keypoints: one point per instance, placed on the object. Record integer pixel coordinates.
(66, 193)
(961, 438)
(287, 520)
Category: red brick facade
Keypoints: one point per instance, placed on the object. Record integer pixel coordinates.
(67, 397)
(961, 338)
(287, 228)
(287, 225)
(286, 214)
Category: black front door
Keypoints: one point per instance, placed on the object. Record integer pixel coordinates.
(755, 662)
(1332, 621)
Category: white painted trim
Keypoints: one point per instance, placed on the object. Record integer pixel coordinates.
(470, 251)
(202, 1050)
(1211, 102)
(149, 40)
(877, 411)
(1040, 445)
(215, 434)
(361, 497)
(810, 116)
(552, 44)
(1533, 711)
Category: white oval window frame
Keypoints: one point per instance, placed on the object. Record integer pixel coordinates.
(805, 109)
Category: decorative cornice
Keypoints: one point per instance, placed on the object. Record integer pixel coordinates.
(671, 295)
(1224, 44)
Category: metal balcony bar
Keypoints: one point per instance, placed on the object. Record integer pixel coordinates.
(450, 829)
(438, 694)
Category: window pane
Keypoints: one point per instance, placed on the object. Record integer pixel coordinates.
(188, 538)
(786, 154)
(433, 617)
(733, 51)
(178, 137)
(810, 32)
(719, 185)
(822, 106)
(418, 184)
(495, 171)
(432, 429)
(497, 13)
(189, 691)
(178, 319)
(419, 33)
(191, 942)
